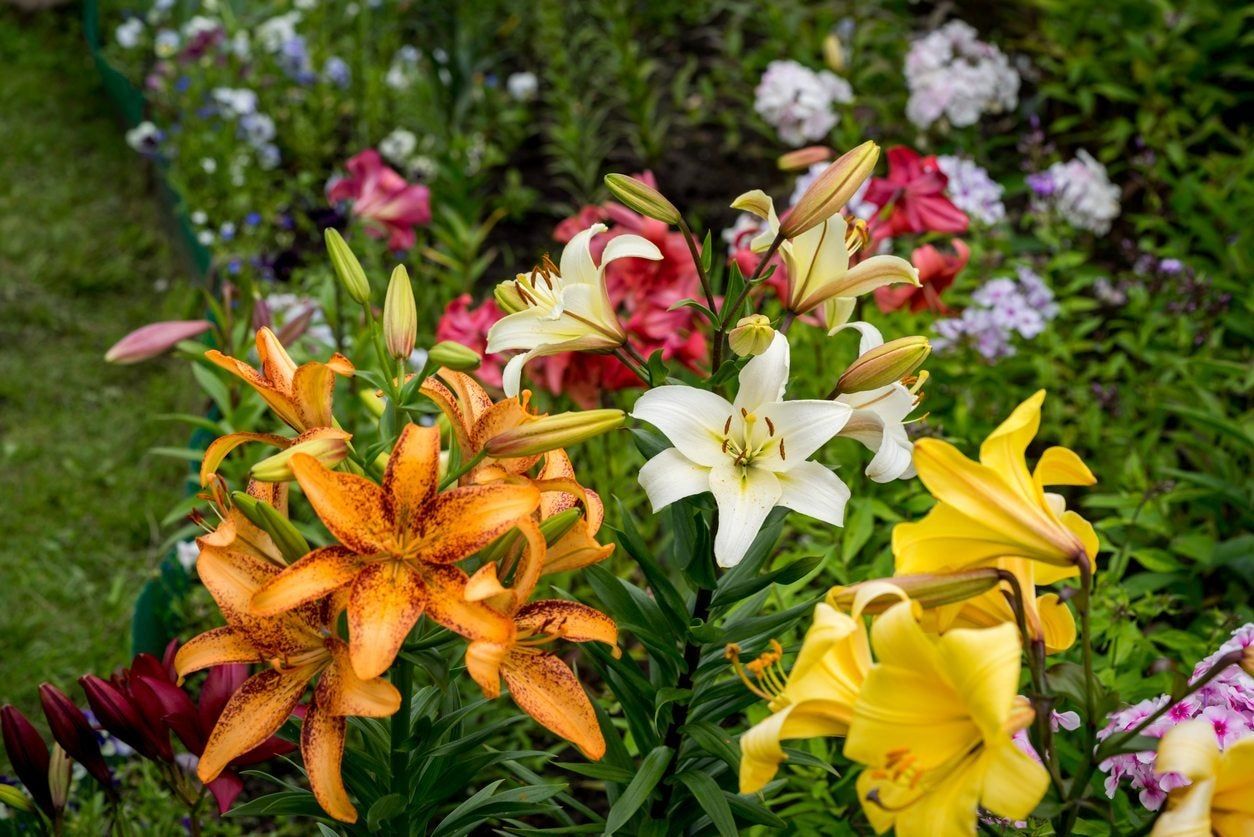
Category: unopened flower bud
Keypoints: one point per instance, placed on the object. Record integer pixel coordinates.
(73, 731)
(803, 158)
(450, 354)
(154, 339)
(508, 299)
(124, 718)
(400, 315)
(833, 53)
(327, 445)
(60, 772)
(15, 799)
(546, 433)
(751, 336)
(831, 190)
(29, 756)
(885, 364)
(928, 589)
(641, 197)
(347, 267)
(290, 542)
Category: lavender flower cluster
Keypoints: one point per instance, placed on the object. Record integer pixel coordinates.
(1080, 192)
(953, 74)
(972, 189)
(798, 102)
(1227, 702)
(1001, 309)
(252, 126)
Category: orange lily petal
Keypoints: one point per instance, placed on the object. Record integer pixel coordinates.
(216, 647)
(445, 587)
(458, 421)
(386, 601)
(322, 749)
(483, 664)
(341, 365)
(253, 714)
(312, 388)
(223, 445)
(413, 473)
(462, 521)
(276, 364)
(312, 577)
(342, 692)
(574, 550)
(233, 578)
(569, 620)
(546, 689)
(474, 400)
(502, 416)
(277, 399)
(352, 508)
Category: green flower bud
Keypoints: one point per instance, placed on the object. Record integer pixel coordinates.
(751, 336)
(885, 364)
(347, 267)
(640, 197)
(452, 355)
(400, 315)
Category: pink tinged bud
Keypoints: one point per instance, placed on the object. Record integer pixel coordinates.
(400, 315)
(73, 731)
(831, 190)
(803, 158)
(548, 433)
(928, 589)
(640, 197)
(154, 339)
(885, 364)
(296, 327)
(29, 756)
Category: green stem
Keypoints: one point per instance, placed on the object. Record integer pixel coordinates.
(706, 287)
(720, 337)
(453, 476)
(1084, 606)
(403, 679)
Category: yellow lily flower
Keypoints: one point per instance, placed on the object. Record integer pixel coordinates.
(398, 544)
(933, 724)
(816, 699)
(301, 396)
(996, 513)
(1220, 798)
(297, 647)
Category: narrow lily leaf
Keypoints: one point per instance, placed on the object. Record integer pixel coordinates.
(715, 741)
(711, 799)
(672, 604)
(647, 777)
(787, 574)
(748, 809)
(211, 383)
(597, 770)
(383, 809)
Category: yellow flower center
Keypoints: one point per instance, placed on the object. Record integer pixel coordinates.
(746, 442)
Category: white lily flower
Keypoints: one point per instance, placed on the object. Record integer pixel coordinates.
(818, 259)
(564, 309)
(751, 454)
(878, 419)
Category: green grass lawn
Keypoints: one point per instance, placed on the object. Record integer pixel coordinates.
(82, 251)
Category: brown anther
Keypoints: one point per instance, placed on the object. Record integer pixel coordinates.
(770, 426)
(782, 454)
(731, 652)
(727, 426)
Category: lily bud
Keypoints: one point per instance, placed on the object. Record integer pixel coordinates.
(928, 589)
(154, 339)
(15, 799)
(885, 364)
(267, 518)
(118, 712)
(508, 299)
(751, 336)
(400, 315)
(73, 731)
(546, 433)
(803, 158)
(831, 190)
(833, 53)
(453, 355)
(29, 756)
(60, 772)
(643, 198)
(347, 267)
(328, 446)
(555, 528)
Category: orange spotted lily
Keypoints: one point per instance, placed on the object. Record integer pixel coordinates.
(397, 546)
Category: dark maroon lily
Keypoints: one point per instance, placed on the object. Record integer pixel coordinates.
(133, 715)
(29, 756)
(74, 733)
(913, 194)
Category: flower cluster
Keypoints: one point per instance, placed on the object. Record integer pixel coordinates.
(390, 206)
(1002, 308)
(1226, 703)
(1079, 191)
(256, 129)
(972, 189)
(954, 75)
(799, 102)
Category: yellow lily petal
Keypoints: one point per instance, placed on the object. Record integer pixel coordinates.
(1013, 783)
(1060, 466)
(312, 577)
(1057, 623)
(312, 388)
(760, 750)
(351, 507)
(254, 713)
(386, 601)
(215, 647)
(546, 689)
(322, 749)
(223, 445)
(1189, 749)
(413, 473)
(1005, 448)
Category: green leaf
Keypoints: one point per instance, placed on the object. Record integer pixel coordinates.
(650, 773)
(284, 803)
(728, 594)
(384, 808)
(213, 385)
(597, 770)
(711, 799)
(715, 741)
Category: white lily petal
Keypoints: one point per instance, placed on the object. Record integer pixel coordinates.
(864, 277)
(590, 304)
(870, 337)
(813, 490)
(745, 496)
(802, 426)
(577, 265)
(877, 423)
(629, 247)
(693, 419)
(511, 375)
(818, 258)
(530, 328)
(764, 378)
(671, 476)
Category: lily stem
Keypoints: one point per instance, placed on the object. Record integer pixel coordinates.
(720, 337)
(453, 476)
(706, 287)
(403, 680)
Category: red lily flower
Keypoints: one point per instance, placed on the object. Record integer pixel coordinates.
(937, 272)
(390, 205)
(914, 193)
(29, 756)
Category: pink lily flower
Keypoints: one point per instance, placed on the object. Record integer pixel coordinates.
(390, 205)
